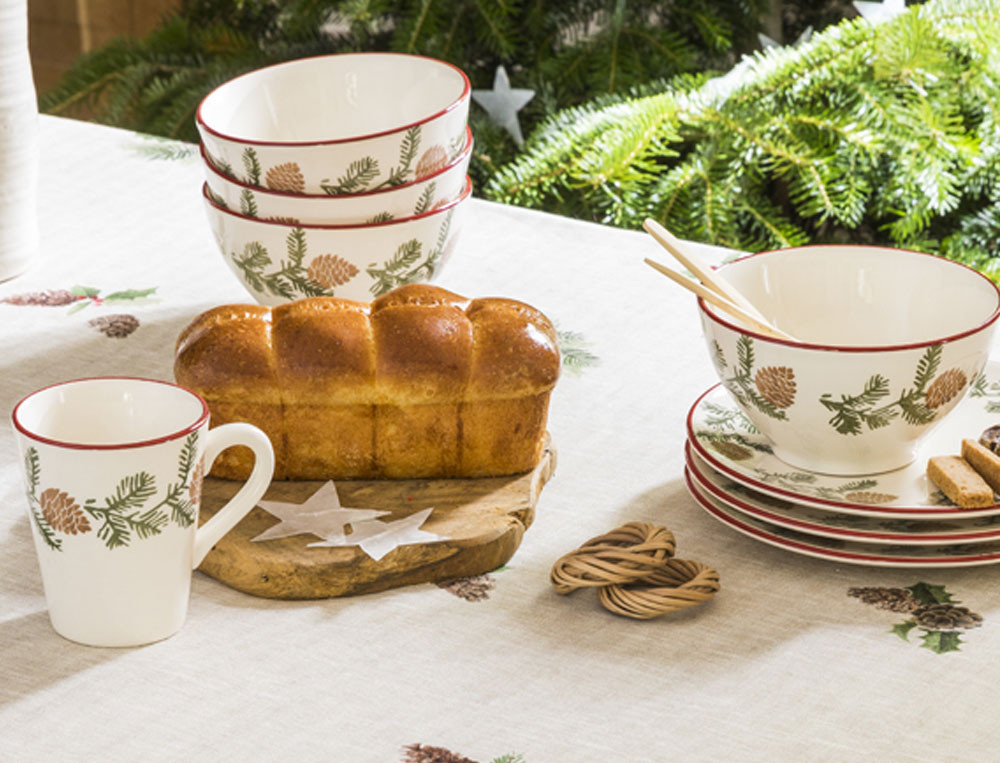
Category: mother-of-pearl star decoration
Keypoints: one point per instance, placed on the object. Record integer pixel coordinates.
(378, 538)
(876, 12)
(321, 515)
(502, 103)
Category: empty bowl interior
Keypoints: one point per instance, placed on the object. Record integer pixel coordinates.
(330, 98)
(863, 296)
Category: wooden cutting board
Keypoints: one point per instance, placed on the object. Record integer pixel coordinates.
(482, 519)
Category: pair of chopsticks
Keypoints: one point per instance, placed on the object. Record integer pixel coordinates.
(713, 288)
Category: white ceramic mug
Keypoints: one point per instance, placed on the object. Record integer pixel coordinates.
(113, 472)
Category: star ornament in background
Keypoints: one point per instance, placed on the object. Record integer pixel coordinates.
(876, 12)
(502, 103)
(321, 515)
(377, 538)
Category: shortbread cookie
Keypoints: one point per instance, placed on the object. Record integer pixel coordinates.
(960, 482)
(984, 461)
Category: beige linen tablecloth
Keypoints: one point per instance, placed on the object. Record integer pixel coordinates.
(782, 665)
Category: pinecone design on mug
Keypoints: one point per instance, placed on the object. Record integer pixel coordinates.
(286, 177)
(329, 270)
(433, 159)
(776, 384)
(62, 512)
(945, 387)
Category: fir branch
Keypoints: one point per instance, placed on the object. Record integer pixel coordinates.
(251, 164)
(426, 199)
(248, 203)
(360, 173)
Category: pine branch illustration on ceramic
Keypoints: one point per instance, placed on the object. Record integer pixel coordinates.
(860, 490)
(381, 217)
(770, 390)
(917, 405)
(981, 387)
(426, 200)
(290, 280)
(729, 432)
(359, 174)
(251, 165)
(123, 515)
(248, 203)
(408, 263)
(930, 609)
(407, 153)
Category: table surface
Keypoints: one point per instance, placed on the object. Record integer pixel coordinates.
(783, 664)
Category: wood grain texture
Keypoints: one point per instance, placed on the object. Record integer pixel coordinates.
(483, 519)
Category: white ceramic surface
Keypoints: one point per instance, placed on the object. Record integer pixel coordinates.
(278, 262)
(113, 470)
(847, 552)
(854, 527)
(722, 435)
(391, 202)
(336, 124)
(19, 234)
(890, 342)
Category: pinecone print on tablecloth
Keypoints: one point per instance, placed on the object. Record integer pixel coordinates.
(117, 326)
(946, 617)
(285, 177)
(62, 512)
(731, 450)
(197, 478)
(422, 753)
(433, 159)
(776, 384)
(474, 588)
(870, 497)
(48, 298)
(329, 270)
(945, 387)
(891, 599)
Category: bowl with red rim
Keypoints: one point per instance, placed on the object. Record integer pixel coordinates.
(279, 261)
(406, 200)
(337, 124)
(887, 342)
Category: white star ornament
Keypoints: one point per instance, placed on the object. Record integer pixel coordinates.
(502, 103)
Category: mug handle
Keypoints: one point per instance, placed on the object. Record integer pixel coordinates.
(220, 438)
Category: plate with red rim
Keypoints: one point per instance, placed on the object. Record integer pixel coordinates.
(832, 524)
(845, 551)
(725, 439)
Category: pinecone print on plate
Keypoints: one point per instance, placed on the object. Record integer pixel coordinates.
(870, 497)
(423, 753)
(62, 512)
(474, 588)
(433, 159)
(931, 609)
(48, 298)
(285, 177)
(731, 450)
(946, 387)
(776, 384)
(329, 270)
(117, 326)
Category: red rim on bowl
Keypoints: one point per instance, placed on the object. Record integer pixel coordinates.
(466, 150)
(117, 445)
(466, 90)
(706, 309)
(466, 192)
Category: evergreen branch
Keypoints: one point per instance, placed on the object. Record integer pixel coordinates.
(927, 367)
(248, 203)
(45, 530)
(32, 470)
(251, 164)
(189, 454)
(146, 524)
(426, 199)
(356, 178)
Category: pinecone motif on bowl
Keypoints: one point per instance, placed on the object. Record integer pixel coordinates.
(776, 384)
(286, 177)
(62, 512)
(946, 617)
(945, 387)
(329, 270)
(433, 159)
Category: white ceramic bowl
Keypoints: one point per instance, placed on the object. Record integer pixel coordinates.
(890, 341)
(407, 200)
(337, 124)
(279, 262)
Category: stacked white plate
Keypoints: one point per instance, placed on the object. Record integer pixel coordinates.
(894, 519)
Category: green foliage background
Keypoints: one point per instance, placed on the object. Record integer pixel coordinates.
(868, 133)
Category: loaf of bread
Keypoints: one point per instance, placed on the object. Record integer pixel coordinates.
(419, 383)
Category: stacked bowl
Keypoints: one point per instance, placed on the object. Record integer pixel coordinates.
(341, 175)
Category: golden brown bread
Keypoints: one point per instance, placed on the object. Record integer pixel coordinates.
(419, 383)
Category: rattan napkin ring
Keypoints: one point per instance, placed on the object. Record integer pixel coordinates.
(635, 573)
